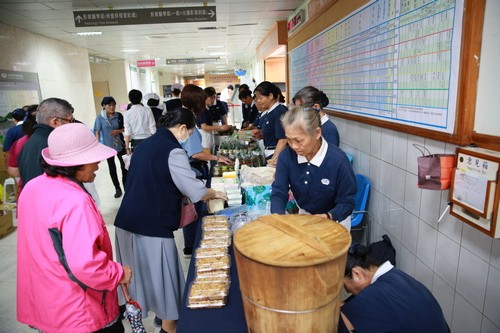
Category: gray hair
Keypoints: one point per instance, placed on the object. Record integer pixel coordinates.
(53, 108)
(306, 118)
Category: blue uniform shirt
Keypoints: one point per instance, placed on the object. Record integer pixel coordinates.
(13, 134)
(193, 143)
(105, 125)
(217, 111)
(205, 117)
(329, 131)
(250, 113)
(395, 303)
(326, 184)
(270, 125)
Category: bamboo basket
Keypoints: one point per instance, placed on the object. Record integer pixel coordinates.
(291, 272)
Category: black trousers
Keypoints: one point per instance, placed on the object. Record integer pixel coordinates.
(112, 169)
(115, 328)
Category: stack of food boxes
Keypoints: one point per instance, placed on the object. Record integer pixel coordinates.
(232, 188)
(210, 286)
(229, 183)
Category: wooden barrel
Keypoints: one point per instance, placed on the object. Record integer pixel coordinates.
(291, 272)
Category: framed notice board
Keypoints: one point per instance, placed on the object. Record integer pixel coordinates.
(401, 64)
(18, 89)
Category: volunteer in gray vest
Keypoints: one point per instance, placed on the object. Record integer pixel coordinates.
(145, 223)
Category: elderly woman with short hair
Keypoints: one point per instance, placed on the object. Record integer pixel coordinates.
(317, 172)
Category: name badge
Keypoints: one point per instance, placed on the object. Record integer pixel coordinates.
(325, 181)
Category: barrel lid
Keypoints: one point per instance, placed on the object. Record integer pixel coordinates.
(292, 240)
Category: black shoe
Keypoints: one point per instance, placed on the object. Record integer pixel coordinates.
(118, 193)
(188, 252)
(157, 322)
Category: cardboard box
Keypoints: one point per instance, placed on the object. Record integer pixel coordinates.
(6, 223)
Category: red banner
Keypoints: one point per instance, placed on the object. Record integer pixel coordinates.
(146, 63)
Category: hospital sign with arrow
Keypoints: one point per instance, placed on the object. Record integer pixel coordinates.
(98, 18)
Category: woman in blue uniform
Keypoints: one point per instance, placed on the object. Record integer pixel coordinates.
(317, 172)
(312, 97)
(386, 299)
(267, 98)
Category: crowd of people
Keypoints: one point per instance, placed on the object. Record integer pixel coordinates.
(63, 244)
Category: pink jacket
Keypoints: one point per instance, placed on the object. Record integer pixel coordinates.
(46, 296)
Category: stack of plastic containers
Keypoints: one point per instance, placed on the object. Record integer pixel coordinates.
(210, 286)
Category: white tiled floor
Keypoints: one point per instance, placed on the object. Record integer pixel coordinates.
(109, 207)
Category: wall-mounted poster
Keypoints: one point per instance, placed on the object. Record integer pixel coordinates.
(18, 89)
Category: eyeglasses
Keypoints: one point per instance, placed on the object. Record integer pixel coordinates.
(71, 120)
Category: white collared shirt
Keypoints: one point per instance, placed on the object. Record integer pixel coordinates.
(318, 158)
(384, 268)
(139, 122)
(275, 105)
(324, 119)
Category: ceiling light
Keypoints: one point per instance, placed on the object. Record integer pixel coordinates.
(130, 51)
(211, 28)
(215, 46)
(88, 33)
(160, 36)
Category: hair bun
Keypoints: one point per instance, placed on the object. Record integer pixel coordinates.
(324, 99)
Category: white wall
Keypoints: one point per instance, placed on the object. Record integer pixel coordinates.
(460, 265)
(63, 69)
(487, 117)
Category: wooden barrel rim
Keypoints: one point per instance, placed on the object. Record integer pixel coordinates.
(316, 243)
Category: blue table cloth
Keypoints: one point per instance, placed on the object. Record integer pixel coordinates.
(228, 319)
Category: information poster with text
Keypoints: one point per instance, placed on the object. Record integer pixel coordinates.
(393, 60)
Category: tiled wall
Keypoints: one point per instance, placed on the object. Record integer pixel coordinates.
(460, 265)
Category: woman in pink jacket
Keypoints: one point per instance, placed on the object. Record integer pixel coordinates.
(66, 276)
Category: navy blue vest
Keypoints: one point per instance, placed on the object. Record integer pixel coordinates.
(152, 202)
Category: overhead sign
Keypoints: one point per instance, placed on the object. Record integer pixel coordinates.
(188, 61)
(146, 63)
(95, 59)
(297, 20)
(95, 18)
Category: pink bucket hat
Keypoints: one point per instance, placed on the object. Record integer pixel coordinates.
(74, 144)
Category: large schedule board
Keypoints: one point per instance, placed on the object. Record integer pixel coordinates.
(392, 60)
